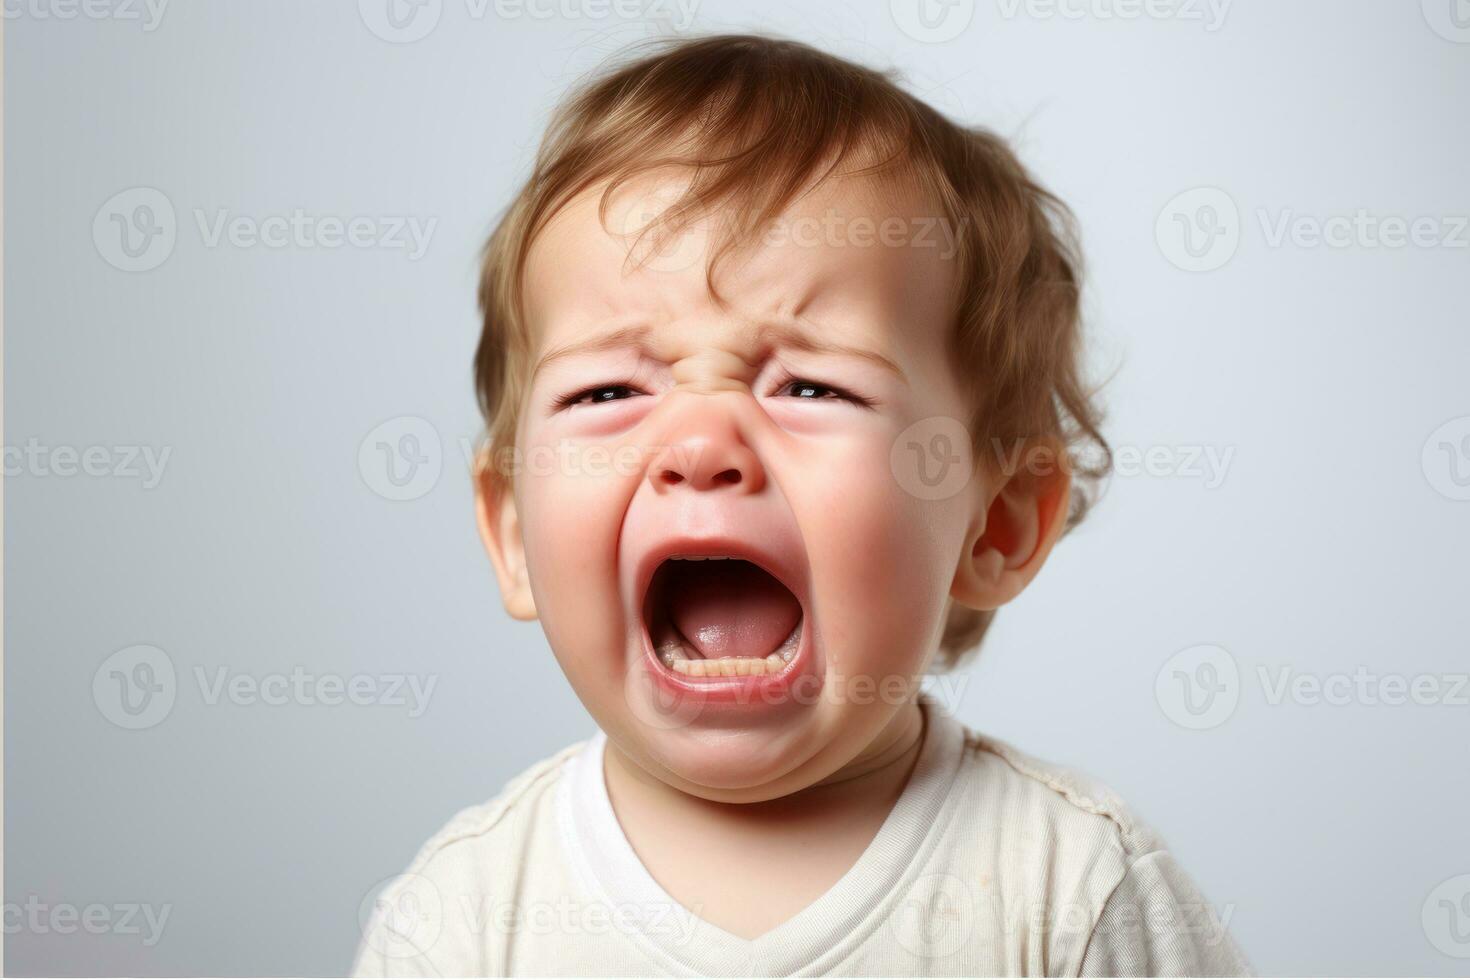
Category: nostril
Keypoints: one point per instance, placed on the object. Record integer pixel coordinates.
(670, 477)
(728, 476)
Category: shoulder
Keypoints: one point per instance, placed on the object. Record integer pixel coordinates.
(1057, 846)
(436, 918)
(506, 818)
(1056, 797)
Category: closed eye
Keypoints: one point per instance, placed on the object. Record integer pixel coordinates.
(598, 395)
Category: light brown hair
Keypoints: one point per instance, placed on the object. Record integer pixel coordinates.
(756, 121)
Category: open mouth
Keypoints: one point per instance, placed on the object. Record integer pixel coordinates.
(717, 616)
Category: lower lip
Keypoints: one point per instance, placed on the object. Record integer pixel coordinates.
(752, 692)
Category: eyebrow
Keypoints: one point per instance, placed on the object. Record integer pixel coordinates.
(635, 337)
(780, 335)
(766, 334)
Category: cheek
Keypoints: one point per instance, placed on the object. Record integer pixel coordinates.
(882, 559)
(571, 497)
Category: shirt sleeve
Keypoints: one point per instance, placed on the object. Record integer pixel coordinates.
(418, 926)
(1155, 923)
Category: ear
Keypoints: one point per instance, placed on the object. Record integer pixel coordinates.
(500, 531)
(1018, 517)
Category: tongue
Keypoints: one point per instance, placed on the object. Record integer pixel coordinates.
(731, 608)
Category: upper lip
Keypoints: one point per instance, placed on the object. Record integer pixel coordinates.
(784, 561)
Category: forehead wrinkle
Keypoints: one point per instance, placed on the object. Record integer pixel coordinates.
(752, 342)
(793, 337)
(635, 337)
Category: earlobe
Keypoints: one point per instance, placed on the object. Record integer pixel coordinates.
(1013, 531)
(500, 531)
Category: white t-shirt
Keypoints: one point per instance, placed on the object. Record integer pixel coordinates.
(991, 863)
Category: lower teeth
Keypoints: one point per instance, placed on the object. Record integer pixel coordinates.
(727, 666)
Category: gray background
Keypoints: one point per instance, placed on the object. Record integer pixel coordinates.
(1334, 543)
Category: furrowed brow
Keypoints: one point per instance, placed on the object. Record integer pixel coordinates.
(782, 335)
(636, 337)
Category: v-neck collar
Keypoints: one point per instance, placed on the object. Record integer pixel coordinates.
(824, 930)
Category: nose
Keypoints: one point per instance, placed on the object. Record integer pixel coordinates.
(706, 451)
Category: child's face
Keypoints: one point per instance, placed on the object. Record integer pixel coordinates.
(661, 423)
